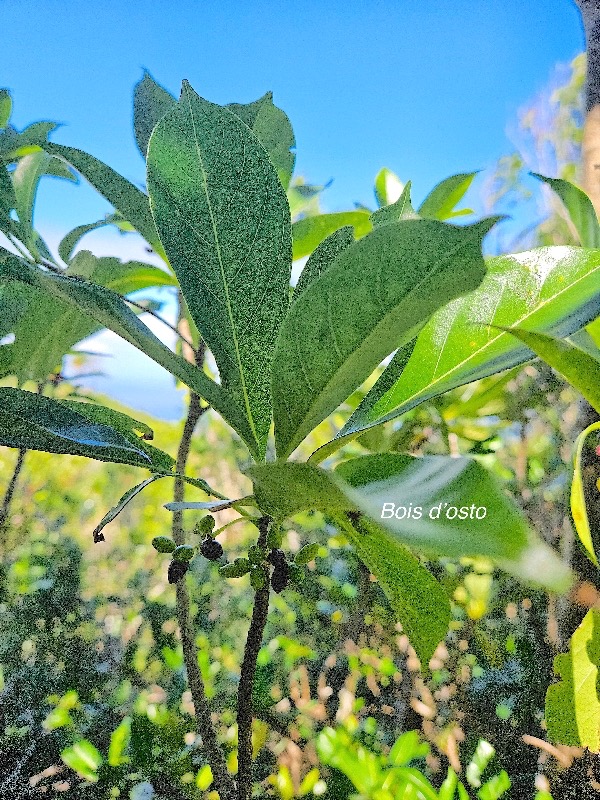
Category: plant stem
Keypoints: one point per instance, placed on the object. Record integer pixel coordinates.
(222, 780)
(253, 642)
(10, 489)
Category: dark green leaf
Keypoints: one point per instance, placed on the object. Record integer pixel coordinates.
(323, 257)
(5, 107)
(69, 242)
(123, 195)
(150, 103)
(374, 298)
(223, 218)
(308, 233)
(579, 207)
(110, 311)
(442, 199)
(13, 144)
(38, 423)
(400, 210)
(273, 128)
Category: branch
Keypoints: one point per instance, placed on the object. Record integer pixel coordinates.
(248, 670)
(214, 754)
(10, 489)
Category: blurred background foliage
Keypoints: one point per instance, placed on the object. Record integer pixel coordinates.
(93, 700)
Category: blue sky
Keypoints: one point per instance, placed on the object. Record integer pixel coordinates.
(426, 89)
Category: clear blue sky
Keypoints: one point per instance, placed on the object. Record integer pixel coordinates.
(424, 88)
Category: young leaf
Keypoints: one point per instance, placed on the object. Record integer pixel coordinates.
(442, 199)
(388, 187)
(308, 233)
(572, 704)
(35, 422)
(110, 311)
(150, 103)
(374, 298)
(223, 218)
(401, 209)
(420, 603)
(272, 127)
(578, 367)
(121, 193)
(551, 289)
(578, 496)
(322, 258)
(579, 207)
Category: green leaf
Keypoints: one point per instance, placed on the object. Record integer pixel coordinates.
(308, 233)
(441, 202)
(388, 187)
(322, 258)
(577, 366)
(14, 144)
(578, 496)
(484, 752)
(272, 127)
(150, 103)
(35, 422)
(400, 210)
(52, 326)
(579, 207)
(448, 787)
(84, 759)
(282, 489)
(572, 704)
(496, 787)
(5, 107)
(421, 605)
(110, 311)
(123, 501)
(550, 289)
(122, 194)
(130, 428)
(119, 741)
(224, 220)
(68, 243)
(374, 298)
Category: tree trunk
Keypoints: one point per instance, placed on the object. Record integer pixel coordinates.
(590, 12)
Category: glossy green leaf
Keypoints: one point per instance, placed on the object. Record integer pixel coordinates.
(374, 298)
(224, 220)
(110, 311)
(122, 194)
(150, 103)
(400, 210)
(441, 201)
(5, 107)
(52, 326)
(572, 704)
(421, 605)
(130, 428)
(388, 187)
(308, 233)
(31, 421)
(84, 759)
(578, 495)
(579, 207)
(550, 289)
(577, 366)
(273, 129)
(323, 257)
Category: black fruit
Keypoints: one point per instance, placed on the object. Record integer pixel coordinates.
(177, 570)
(280, 577)
(277, 557)
(211, 549)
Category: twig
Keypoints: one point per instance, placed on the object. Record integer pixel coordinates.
(223, 781)
(253, 642)
(10, 489)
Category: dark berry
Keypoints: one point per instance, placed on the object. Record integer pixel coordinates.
(280, 577)
(177, 570)
(276, 557)
(211, 549)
